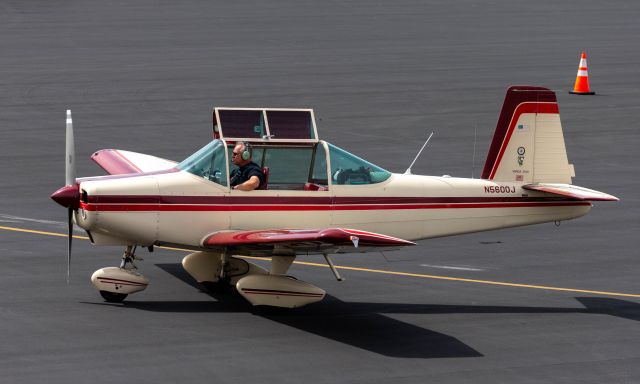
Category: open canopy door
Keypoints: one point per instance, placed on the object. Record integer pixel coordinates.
(265, 124)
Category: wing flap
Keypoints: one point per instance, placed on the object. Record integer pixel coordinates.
(572, 191)
(117, 162)
(302, 240)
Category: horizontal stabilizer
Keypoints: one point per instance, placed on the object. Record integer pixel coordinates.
(118, 162)
(572, 191)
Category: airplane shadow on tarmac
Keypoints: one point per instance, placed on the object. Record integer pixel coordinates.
(364, 326)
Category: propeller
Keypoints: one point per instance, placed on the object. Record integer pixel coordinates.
(70, 179)
(69, 195)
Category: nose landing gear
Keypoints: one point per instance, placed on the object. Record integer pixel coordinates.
(116, 283)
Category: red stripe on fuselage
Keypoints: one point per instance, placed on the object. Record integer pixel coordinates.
(324, 207)
(304, 200)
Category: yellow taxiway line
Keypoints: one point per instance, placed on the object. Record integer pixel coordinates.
(381, 271)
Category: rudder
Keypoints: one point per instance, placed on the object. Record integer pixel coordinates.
(528, 144)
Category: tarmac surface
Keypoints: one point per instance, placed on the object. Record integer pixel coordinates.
(144, 75)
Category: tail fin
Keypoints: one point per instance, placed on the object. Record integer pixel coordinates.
(528, 145)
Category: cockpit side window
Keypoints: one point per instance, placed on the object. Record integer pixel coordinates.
(209, 163)
(288, 167)
(349, 169)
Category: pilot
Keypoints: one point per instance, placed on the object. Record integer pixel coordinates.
(248, 176)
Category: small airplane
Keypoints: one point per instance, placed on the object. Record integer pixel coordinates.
(317, 199)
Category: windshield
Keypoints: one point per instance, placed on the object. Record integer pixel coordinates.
(349, 169)
(209, 163)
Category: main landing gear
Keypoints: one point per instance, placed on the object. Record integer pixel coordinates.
(220, 271)
(116, 283)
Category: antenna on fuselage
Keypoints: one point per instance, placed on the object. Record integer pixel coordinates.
(408, 171)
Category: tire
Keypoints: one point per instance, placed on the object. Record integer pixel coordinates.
(112, 297)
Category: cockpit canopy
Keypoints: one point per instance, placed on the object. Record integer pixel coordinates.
(291, 166)
(284, 141)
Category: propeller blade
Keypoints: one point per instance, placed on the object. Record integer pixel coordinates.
(70, 179)
(70, 152)
(70, 239)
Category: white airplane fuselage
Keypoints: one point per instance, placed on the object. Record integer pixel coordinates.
(177, 207)
(312, 198)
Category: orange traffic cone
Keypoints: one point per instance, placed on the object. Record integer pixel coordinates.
(582, 80)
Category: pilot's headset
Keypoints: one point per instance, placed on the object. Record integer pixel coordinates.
(248, 151)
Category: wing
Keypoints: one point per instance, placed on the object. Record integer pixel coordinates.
(118, 162)
(572, 191)
(301, 241)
